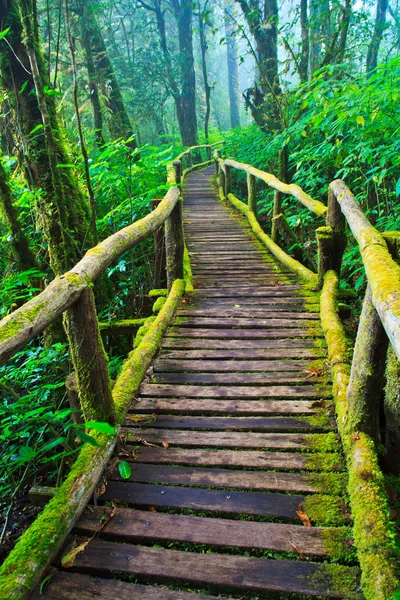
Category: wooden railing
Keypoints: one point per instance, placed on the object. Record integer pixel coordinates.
(71, 295)
(358, 376)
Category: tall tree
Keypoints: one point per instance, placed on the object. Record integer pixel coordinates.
(305, 42)
(233, 68)
(203, 13)
(263, 97)
(380, 24)
(102, 75)
(183, 88)
(62, 208)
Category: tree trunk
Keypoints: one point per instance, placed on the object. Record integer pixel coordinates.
(233, 68)
(92, 40)
(18, 240)
(373, 48)
(61, 206)
(305, 42)
(203, 48)
(318, 31)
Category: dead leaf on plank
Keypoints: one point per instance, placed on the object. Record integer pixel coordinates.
(151, 509)
(165, 444)
(305, 519)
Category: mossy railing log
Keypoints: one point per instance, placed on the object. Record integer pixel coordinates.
(357, 381)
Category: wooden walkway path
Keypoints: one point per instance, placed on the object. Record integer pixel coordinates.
(234, 444)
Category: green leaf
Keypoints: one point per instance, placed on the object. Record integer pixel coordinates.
(65, 166)
(4, 33)
(124, 469)
(398, 188)
(361, 121)
(23, 86)
(102, 427)
(35, 129)
(50, 92)
(88, 439)
(397, 595)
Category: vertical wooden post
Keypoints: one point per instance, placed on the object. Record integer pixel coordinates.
(174, 244)
(160, 264)
(178, 171)
(251, 193)
(89, 360)
(325, 248)
(336, 220)
(276, 212)
(365, 389)
(222, 177)
(189, 159)
(228, 180)
(208, 151)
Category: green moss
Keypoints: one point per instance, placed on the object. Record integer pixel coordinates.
(323, 509)
(158, 304)
(328, 483)
(343, 581)
(123, 324)
(338, 543)
(322, 442)
(21, 318)
(320, 419)
(158, 293)
(323, 462)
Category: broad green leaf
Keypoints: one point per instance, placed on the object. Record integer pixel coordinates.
(102, 427)
(361, 121)
(398, 187)
(124, 469)
(35, 129)
(23, 86)
(4, 33)
(86, 438)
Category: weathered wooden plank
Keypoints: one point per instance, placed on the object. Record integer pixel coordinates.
(133, 525)
(218, 391)
(252, 312)
(64, 585)
(237, 407)
(163, 365)
(238, 334)
(227, 378)
(224, 322)
(234, 353)
(235, 423)
(237, 458)
(237, 572)
(240, 344)
(224, 439)
(228, 478)
(226, 501)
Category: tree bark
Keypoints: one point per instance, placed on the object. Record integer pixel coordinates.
(233, 68)
(203, 48)
(373, 48)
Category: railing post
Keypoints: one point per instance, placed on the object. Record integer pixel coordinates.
(251, 193)
(174, 244)
(336, 220)
(208, 151)
(177, 164)
(228, 180)
(189, 159)
(89, 359)
(160, 264)
(276, 212)
(222, 177)
(367, 372)
(325, 252)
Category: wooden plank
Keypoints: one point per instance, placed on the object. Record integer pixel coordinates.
(237, 407)
(233, 353)
(225, 501)
(229, 366)
(228, 423)
(218, 391)
(224, 322)
(133, 525)
(236, 458)
(240, 344)
(253, 312)
(65, 585)
(237, 572)
(238, 334)
(239, 379)
(223, 439)
(228, 478)
(285, 290)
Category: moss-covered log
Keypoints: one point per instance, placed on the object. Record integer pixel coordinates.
(174, 244)
(305, 274)
(383, 273)
(160, 264)
(364, 394)
(392, 413)
(294, 190)
(27, 322)
(124, 327)
(373, 530)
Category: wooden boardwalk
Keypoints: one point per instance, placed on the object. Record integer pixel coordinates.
(233, 440)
